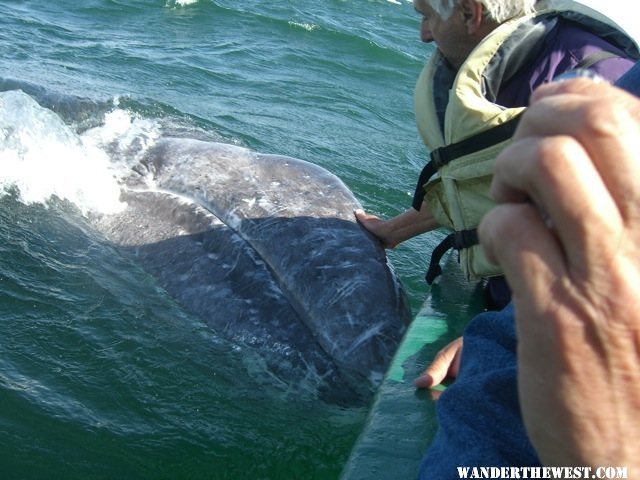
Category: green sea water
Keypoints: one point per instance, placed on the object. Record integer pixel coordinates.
(104, 376)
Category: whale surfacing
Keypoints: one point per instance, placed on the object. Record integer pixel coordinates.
(266, 251)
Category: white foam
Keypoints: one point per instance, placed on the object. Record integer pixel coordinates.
(124, 137)
(180, 3)
(307, 26)
(43, 157)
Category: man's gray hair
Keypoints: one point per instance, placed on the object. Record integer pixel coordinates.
(496, 10)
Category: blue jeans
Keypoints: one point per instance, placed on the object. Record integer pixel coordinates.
(630, 81)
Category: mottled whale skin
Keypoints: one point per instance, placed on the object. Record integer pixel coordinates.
(265, 250)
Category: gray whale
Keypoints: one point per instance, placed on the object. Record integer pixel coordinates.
(265, 250)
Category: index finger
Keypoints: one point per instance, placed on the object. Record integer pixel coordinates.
(603, 120)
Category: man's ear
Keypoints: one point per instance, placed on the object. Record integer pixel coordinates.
(472, 14)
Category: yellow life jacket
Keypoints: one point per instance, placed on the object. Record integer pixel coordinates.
(476, 130)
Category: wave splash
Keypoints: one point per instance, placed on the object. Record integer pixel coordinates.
(43, 157)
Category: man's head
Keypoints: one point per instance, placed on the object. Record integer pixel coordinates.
(457, 26)
(497, 10)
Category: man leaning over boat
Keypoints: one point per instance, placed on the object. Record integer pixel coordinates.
(491, 55)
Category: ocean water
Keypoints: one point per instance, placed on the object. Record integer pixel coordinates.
(102, 374)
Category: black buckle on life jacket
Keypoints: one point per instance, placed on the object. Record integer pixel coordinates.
(456, 240)
(446, 154)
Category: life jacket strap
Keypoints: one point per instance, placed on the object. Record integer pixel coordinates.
(590, 60)
(443, 155)
(456, 240)
(446, 154)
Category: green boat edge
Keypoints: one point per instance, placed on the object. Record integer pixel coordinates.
(402, 421)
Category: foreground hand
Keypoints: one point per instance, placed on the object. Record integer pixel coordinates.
(568, 238)
(446, 364)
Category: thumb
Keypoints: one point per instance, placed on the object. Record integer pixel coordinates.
(445, 364)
